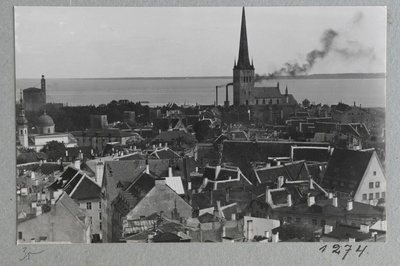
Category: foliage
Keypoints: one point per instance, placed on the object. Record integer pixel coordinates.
(54, 150)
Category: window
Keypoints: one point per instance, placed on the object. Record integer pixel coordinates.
(364, 196)
(383, 194)
(100, 205)
(90, 219)
(100, 215)
(277, 101)
(371, 184)
(88, 205)
(377, 195)
(371, 195)
(377, 184)
(374, 173)
(263, 101)
(100, 226)
(257, 101)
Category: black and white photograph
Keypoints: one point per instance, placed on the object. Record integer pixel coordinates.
(200, 124)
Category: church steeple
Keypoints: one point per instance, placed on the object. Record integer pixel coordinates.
(243, 59)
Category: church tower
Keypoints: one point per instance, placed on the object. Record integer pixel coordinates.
(22, 124)
(243, 71)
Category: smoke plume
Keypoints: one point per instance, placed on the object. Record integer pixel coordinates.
(332, 42)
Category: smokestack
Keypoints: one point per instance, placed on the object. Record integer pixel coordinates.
(249, 230)
(216, 95)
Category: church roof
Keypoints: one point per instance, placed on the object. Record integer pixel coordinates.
(267, 92)
(44, 121)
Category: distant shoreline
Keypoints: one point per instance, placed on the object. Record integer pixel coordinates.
(313, 76)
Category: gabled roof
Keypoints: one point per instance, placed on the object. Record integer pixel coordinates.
(341, 107)
(267, 92)
(226, 178)
(86, 189)
(291, 171)
(175, 182)
(165, 153)
(116, 172)
(348, 167)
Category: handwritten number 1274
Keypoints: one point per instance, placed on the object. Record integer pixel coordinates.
(336, 249)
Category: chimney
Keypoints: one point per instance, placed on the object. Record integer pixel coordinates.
(223, 231)
(310, 201)
(267, 234)
(147, 167)
(267, 195)
(311, 183)
(281, 179)
(197, 169)
(33, 176)
(150, 238)
(166, 144)
(289, 200)
(210, 193)
(218, 205)
(227, 194)
(77, 164)
(161, 214)
(233, 216)
(80, 155)
(154, 147)
(349, 205)
(351, 239)
(99, 171)
(53, 201)
(268, 165)
(328, 229)
(217, 170)
(66, 154)
(275, 237)
(335, 201)
(278, 163)
(364, 228)
(33, 240)
(249, 230)
(330, 195)
(170, 171)
(160, 144)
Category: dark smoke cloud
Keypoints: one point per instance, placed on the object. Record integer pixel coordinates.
(349, 50)
(295, 69)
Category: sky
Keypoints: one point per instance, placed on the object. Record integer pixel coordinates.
(100, 42)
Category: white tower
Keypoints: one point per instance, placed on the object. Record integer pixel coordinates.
(22, 124)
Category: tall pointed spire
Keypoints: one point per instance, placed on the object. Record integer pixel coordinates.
(243, 60)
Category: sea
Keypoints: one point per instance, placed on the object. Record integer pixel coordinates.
(369, 92)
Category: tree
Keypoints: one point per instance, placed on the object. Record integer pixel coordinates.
(54, 150)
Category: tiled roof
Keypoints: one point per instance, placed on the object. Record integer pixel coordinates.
(291, 171)
(279, 197)
(243, 153)
(69, 187)
(175, 182)
(267, 92)
(346, 166)
(311, 154)
(86, 189)
(346, 231)
(168, 136)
